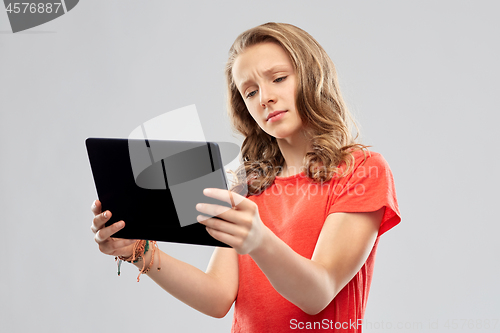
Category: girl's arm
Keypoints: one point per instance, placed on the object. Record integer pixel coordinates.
(211, 292)
(344, 244)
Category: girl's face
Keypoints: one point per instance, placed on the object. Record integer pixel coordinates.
(267, 82)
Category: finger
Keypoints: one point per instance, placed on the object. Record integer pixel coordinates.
(96, 207)
(223, 212)
(223, 237)
(93, 228)
(220, 225)
(227, 196)
(105, 233)
(100, 220)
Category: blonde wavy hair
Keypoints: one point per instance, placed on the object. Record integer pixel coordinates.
(319, 102)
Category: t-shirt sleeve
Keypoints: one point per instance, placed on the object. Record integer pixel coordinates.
(368, 188)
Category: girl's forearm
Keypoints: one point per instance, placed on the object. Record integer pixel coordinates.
(303, 282)
(188, 284)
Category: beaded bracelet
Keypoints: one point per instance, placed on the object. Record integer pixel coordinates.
(138, 252)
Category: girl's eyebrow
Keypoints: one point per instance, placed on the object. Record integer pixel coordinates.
(243, 85)
(277, 68)
(267, 72)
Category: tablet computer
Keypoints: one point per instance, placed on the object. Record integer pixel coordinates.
(154, 186)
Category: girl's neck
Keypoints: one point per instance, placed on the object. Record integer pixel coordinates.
(294, 150)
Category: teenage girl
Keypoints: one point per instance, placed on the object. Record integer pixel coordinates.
(303, 240)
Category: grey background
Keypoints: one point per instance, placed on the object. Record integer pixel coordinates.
(421, 77)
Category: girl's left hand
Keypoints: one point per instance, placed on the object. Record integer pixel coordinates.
(240, 227)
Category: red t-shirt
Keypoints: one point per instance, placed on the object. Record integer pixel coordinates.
(295, 209)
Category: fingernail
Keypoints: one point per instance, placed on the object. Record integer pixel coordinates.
(105, 214)
(198, 206)
(206, 191)
(93, 204)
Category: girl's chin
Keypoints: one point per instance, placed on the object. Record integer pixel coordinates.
(282, 136)
(282, 132)
(279, 134)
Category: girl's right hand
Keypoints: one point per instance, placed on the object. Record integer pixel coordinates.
(107, 244)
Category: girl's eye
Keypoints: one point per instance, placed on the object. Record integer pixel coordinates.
(280, 79)
(251, 93)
